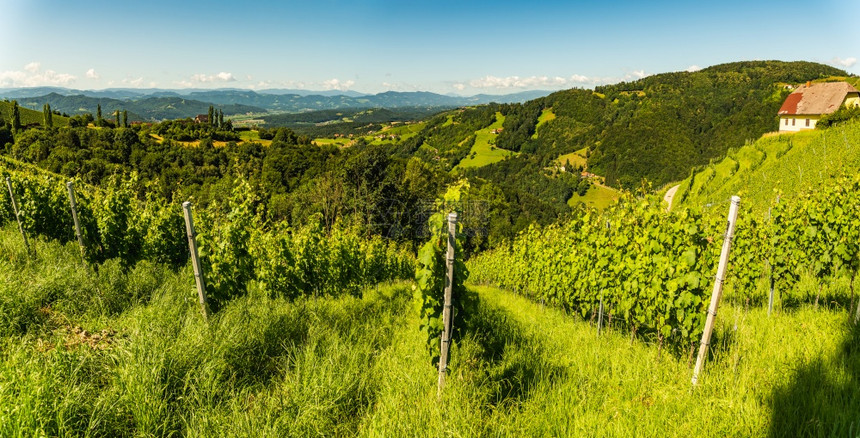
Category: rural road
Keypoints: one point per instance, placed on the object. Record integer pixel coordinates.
(669, 195)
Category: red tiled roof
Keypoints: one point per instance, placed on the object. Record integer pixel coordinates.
(821, 98)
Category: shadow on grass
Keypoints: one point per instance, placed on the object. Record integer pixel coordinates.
(823, 396)
(514, 360)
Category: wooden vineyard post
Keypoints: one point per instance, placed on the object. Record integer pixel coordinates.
(18, 217)
(857, 315)
(600, 315)
(770, 296)
(718, 288)
(71, 186)
(195, 259)
(446, 311)
(770, 267)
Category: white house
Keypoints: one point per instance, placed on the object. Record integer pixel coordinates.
(802, 108)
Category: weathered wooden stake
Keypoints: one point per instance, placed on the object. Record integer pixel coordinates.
(446, 311)
(857, 315)
(600, 316)
(18, 217)
(718, 288)
(71, 186)
(195, 259)
(770, 296)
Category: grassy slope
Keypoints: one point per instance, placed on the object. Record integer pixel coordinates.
(253, 136)
(790, 163)
(127, 353)
(28, 116)
(598, 197)
(245, 136)
(403, 131)
(545, 116)
(483, 149)
(340, 142)
(785, 376)
(576, 158)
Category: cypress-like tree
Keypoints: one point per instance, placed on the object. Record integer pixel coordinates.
(16, 117)
(220, 119)
(211, 115)
(99, 115)
(49, 122)
(124, 119)
(116, 115)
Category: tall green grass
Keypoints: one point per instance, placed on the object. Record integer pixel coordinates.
(125, 352)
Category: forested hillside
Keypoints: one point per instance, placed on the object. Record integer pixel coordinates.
(659, 127)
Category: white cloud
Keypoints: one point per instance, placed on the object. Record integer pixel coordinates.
(337, 84)
(91, 73)
(529, 82)
(693, 68)
(220, 77)
(400, 86)
(546, 82)
(136, 82)
(33, 76)
(847, 62)
(518, 82)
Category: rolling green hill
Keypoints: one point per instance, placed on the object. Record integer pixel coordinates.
(785, 164)
(659, 127)
(28, 116)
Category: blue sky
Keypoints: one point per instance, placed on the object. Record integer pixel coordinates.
(462, 47)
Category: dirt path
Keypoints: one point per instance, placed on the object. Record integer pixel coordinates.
(670, 194)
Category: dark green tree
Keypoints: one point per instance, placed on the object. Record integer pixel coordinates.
(211, 115)
(220, 119)
(16, 118)
(99, 115)
(125, 119)
(116, 118)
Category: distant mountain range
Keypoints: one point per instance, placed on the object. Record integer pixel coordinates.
(160, 104)
(136, 93)
(143, 109)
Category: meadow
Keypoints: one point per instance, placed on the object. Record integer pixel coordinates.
(545, 116)
(576, 159)
(484, 152)
(597, 196)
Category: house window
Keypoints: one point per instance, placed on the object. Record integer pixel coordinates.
(786, 122)
(807, 122)
(792, 122)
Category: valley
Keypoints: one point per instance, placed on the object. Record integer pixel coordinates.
(285, 273)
